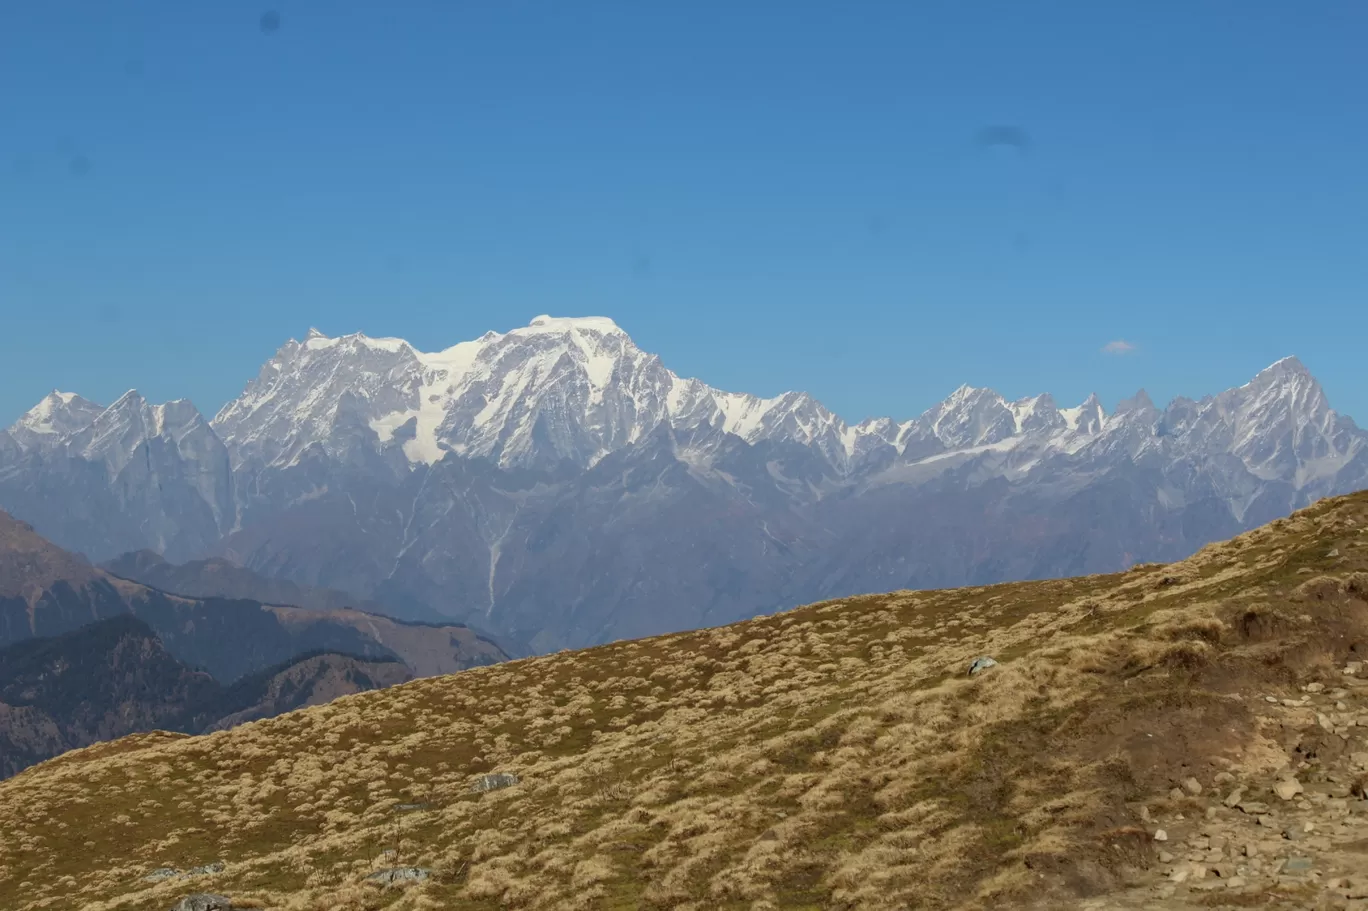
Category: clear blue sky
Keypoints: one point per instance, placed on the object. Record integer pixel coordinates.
(770, 195)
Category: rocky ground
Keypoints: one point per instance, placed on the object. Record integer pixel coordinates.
(1295, 837)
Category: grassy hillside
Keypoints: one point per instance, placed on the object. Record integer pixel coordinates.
(834, 756)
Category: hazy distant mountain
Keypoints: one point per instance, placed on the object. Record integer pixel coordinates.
(216, 577)
(115, 677)
(46, 591)
(558, 485)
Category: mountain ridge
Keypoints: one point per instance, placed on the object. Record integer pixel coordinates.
(46, 591)
(514, 481)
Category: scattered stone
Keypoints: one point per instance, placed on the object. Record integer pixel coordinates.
(1165, 857)
(1223, 778)
(1271, 699)
(1292, 834)
(981, 664)
(203, 901)
(1314, 688)
(1288, 788)
(408, 807)
(1192, 786)
(1160, 835)
(164, 873)
(1187, 871)
(1297, 865)
(1253, 807)
(494, 781)
(1176, 794)
(1234, 798)
(396, 875)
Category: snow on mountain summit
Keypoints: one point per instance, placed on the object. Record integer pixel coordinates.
(564, 323)
(573, 389)
(54, 417)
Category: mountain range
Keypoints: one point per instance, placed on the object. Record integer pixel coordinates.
(559, 487)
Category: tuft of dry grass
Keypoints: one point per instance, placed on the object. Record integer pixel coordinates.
(833, 756)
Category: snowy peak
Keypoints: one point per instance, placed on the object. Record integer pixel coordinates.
(1279, 423)
(1288, 368)
(1139, 404)
(317, 341)
(1036, 414)
(1087, 417)
(119, 430)
(599, 324)
(557, 389)
(971, 417)
(308, 387)
(55, 417)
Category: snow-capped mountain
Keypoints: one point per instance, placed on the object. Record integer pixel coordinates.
(101, 477)
(54, 418)
(557, 390)
(558, 484)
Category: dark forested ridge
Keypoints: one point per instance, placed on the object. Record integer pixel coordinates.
(115, 677)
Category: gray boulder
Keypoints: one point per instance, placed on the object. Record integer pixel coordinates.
(980, 665)
(203, 901)
(399, 875)
(494, 782)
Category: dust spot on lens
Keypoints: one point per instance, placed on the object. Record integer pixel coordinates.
(1002, 135)
(270, 22)
(79, 165)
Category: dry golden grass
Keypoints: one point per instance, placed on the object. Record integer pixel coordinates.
(834, 756)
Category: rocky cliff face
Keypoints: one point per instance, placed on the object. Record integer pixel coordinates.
(558, 486)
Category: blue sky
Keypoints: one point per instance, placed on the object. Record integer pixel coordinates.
(870, 201)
